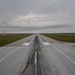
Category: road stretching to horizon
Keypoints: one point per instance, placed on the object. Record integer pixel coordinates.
(37, 55)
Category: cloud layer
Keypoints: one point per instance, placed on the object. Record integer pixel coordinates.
(57, 13)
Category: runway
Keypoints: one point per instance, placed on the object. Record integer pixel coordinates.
(45, 57)
(58, 58)
(13, 57)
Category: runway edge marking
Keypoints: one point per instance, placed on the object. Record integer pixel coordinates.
(8, 54)
(11, 52)
(64, 55)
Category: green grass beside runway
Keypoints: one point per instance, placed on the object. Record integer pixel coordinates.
(8, 38)
(62, 37)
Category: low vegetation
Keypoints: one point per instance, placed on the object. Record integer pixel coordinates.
(62, 37)
(8, 38)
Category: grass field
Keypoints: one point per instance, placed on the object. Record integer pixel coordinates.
(8, 38)
(62, 37)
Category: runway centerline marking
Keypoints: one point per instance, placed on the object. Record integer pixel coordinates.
(64, 55)
(35, 57)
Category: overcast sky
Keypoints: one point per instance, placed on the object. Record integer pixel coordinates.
(37, 15)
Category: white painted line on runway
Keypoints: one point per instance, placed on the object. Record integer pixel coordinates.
(35, 63)
(14, 50)
(11, 52)
(46, 43)
(26, 44)
(8, 54)
(64, 55)
(35, 57)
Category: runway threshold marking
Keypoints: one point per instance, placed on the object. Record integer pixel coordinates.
(26, 44)
(64, 55)
(46, 43)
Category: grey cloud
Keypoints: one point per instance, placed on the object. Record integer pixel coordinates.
(57, 10)
(33, 27)
(40, 6)
(43, 29)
